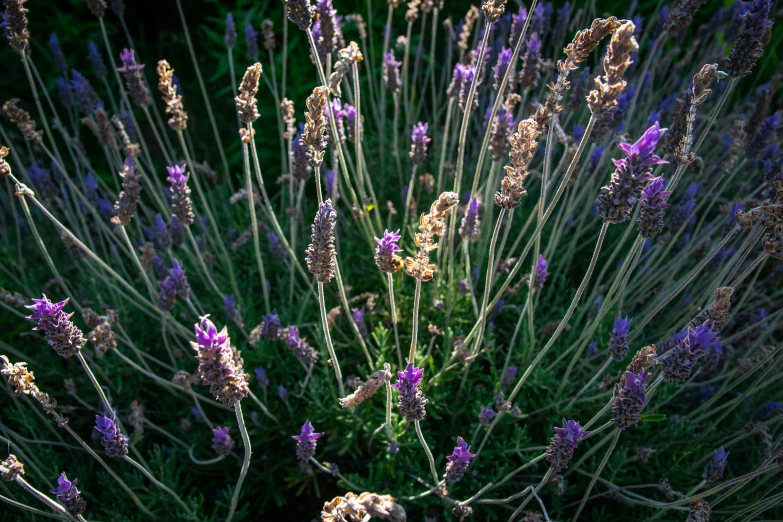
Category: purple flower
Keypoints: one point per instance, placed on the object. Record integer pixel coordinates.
(500, 68)
(173, 286)
(749, 46)
(302, 350)
(350, 123)
(161, 238)
(618, 338)
(68, 496)
(232, 312)
(386, 252)
(115, 444)
(419, 141)
(517, 23)
(629, 399)
(282, 393)
(561, 448)
(486, 415)
(531, 64)
(60, 332)
(508, 377)
(463, 287)
(181, 205)
(230, 37)
(86, 98)
(714, 469)
(339, 121)
(410, 401)
(94, 55)
(391, 72)
(617, 199)
(263, 380)
(271, 328)
(57, 53)
(358, 318)
(393, 448)
(64, 91)
(321, 252)
(592, 348)
(251, 42)
(222, 442)
(653, 204)
(219, 364)
(276, 246)
(306, 442)
(541, 274)
(469, 230)
(330, 184)
(691, 345)
(459, 461)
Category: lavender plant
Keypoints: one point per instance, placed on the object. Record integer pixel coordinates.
(638, 175)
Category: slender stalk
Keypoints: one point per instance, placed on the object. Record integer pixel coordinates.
(488, 283)
(390, 281)
(427, 451)
(204, 93)
(715, 112)
(137, 262)
(597, 473)
(245, 461)
(533, 492)
(325, 327)
(415, 333)
(159, 484)
(51, 504)
(254, 226)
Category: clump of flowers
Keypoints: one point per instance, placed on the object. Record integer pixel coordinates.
(68, 496)
(305, 443)
(115, 444)
(691, 346)
(410, 401)
(459, 461)
(222, 442)
(618, 338)
(561, 449)
(715, 468)
(629, 399)
(219, 364)
(58, 329)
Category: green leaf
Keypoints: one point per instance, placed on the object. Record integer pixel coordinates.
(652, 417)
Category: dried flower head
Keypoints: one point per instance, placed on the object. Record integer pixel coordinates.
(268, 33)
(97, 7)
(22, 120)
(699, 511)
(11, 468)
(312, 139)
(129, 197)
(60, 332)
(603, 98)
(301, 13)
(384, 507)
(523, 147)
(410, 401)
(23, 383)
(321, 252)
(368, 388)
(178, 119)
(15, 25)
(459, 461)
(493, 10)
(680, 15)
(246, 100)
(430, 225)
(220, 366)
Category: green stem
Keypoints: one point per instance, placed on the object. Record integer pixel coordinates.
(245, 461)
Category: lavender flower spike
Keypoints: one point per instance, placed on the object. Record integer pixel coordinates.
(618, 338)
(694, 344)
(469, 230)
(305, 443)
(629, 399)
(459, 461)
(410, 402)
(115, 444)
(181, 205)
(302, 350)
(134, 80)
(541, 274)
(617, 199)
(391, 72)
(321, 252)
(68, 496)
(301, 13)
(486, 415)
(386, 257)
(652, 206)
(220, 365)
(60, 332)
(755, 32)
(561, 449)
(419, 143)
(271, 327)
(222, 442)
(230, 37)
(714, 469)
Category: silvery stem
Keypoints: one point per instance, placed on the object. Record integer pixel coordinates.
(245, 461)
